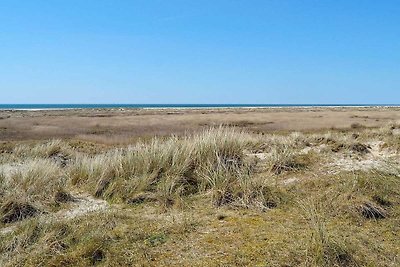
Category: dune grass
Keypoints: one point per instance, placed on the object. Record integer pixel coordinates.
(220, 197)
(175, 167)
(29, 189)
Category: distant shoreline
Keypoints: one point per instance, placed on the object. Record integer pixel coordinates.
(49, 107)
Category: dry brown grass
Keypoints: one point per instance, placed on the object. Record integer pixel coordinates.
(122, 126)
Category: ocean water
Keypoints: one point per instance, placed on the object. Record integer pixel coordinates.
(146, 106)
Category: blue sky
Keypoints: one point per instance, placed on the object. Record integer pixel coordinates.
(220, 51)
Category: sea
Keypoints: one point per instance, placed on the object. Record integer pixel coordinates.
(172, 106)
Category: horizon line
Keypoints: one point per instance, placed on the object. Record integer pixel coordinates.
(196, 104)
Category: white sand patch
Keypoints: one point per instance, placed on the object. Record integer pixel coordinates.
(259, 156)
(306, 150)
(376, 149)
(290, 181)
(396, 131)
(376, 159)
(83, 204)
(9, 169)
(351, 164)
(7, 230)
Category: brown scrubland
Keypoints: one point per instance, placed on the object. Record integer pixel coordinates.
(113, 126)
(227, 187)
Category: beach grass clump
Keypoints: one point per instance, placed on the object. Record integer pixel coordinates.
(373, 190)
(384, 132)
(286, 159)
(106, 238)
(325, 246)
(238, 187)
(294, 141)
(29, 188)
(326, 138)
(351, 147)
(42, 150)
(167, 167)
(55, 150)
(374, 194)
(50, 148)
(389, 135)
(36, 239)
(359, 196)
(340, 142)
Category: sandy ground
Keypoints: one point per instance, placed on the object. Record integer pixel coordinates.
(123, 125)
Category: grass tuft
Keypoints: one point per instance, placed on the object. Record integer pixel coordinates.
(35, 183)
(324, 248)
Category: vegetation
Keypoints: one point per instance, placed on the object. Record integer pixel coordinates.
(220, 197)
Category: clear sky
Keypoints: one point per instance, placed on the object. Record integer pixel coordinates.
(216, 51)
